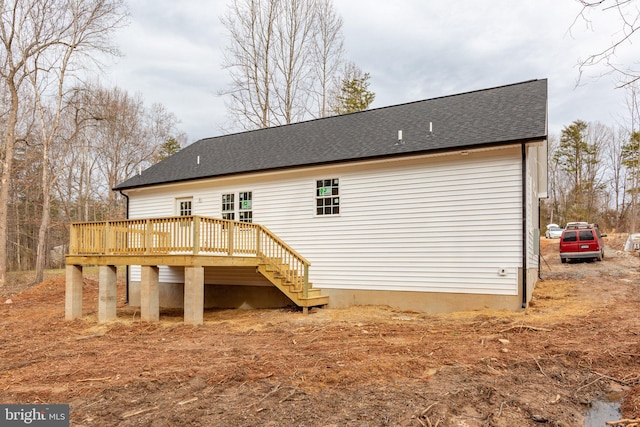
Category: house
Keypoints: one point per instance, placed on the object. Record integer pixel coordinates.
(428, 206)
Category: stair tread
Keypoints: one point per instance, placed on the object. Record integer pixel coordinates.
(312, 297)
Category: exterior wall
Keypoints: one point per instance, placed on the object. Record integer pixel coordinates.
(535, 169)
(435, 226)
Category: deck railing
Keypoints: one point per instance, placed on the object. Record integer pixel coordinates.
(195, 235)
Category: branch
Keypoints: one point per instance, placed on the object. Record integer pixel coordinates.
(630, 25)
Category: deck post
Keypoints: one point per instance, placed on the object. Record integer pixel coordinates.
(73, 292)
(194, 295)
(230, 238)
(107, 238)
(148, 236)
(107, 278)
(73, 239)
(196, 235)
(149, 293)
(305, 285)
(258, 240)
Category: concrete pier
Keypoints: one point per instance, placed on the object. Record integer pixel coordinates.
(149, 294)
(194, 295)
(73, 292)
(107, 289)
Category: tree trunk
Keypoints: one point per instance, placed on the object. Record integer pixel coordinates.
(41, 253)
(5, 179)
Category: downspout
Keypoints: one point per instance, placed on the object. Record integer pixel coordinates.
(539, 249)
(524, 224)
(126, 300)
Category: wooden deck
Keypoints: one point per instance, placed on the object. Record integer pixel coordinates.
(192, 242)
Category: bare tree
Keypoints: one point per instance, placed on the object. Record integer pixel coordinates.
(613, 162)
(24, 204)
(37, 37)
(122, 142)
(83, 27)
(249, 59)
(294, 79)
(329, 50)
(598, 137)
(76, 188)
(281, 59)
(12, 73)
(556, 190)
(113, 135)
(628, 15)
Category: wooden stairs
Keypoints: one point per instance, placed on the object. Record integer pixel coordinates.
(291, 283)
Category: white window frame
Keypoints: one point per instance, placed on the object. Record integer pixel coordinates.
(228, 201)
(183, 210)
(241, 204)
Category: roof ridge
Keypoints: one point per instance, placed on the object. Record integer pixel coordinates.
(462, 120)
(368, 110)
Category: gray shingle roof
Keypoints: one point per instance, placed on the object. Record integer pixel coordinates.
(500, 115)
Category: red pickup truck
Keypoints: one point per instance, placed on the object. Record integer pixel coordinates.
(581, 240)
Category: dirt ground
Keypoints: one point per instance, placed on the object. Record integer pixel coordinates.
(366, 366)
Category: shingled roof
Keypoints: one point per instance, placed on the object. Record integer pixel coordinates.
(500, 115)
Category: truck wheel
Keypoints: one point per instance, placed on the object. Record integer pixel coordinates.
(563, 260)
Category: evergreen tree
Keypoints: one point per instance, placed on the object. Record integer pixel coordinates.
(577, 158)
(574, 152)
(167, 148)
(354, 94)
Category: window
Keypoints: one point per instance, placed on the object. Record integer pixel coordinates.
(244, 208)
(183, 206)
(586, 235)
(327, 197)
(570, 236)
(228, 211)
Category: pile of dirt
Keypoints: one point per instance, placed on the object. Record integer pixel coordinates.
(364, 366)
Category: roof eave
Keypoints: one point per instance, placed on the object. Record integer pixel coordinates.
(342, 161)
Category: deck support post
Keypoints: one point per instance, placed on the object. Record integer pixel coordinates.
(150, 294)
(107, 289)
(194, 295)
(73, 292)
(230, 238)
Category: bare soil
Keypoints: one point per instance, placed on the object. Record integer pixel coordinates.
(365, 366)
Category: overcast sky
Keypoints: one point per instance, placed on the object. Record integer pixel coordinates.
(413, 49)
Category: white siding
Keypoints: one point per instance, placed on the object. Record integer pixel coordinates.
(435, 224)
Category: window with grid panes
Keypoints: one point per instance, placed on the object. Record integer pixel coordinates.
(184, 207)
(327, 197)
(245, 213)
(228, 208)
